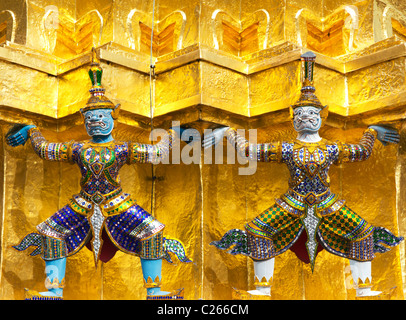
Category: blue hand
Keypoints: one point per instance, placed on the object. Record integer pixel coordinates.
(386, 135)
(18, 135)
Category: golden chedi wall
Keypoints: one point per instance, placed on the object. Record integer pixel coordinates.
(217, 62)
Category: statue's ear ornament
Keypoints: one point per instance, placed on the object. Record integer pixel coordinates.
(115, 111)
(324, 113)
(97, 99)
(291, 113)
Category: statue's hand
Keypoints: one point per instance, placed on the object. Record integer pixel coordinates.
(214, 137)
(18, 135)
(386, 135)
(188, 135)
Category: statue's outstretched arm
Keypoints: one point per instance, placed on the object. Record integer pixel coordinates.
(46, 150)
(148, 153)
(363, 150)
(263, 152)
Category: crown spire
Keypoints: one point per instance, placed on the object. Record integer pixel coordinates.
(307, 96)
(95, 71)
(97, 98)
(308, 62)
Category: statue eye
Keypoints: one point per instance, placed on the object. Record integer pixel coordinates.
(100, 116)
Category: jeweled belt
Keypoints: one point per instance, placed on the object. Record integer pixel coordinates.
(98, 197)
(110, 204)
(97, 208)
(310, 198)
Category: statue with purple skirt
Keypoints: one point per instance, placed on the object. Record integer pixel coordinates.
(102, 216)
(309, 217)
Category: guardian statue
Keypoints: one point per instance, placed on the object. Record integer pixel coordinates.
(102, 216)
(309, 217)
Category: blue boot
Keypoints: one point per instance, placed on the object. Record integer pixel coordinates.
(151, 270)
(54, 282)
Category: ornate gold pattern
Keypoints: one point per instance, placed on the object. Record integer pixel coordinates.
(263, 282)
(54, 284)
(322, 40)
(75, 39)
(162, 42)
(362, 284)
(149, 283)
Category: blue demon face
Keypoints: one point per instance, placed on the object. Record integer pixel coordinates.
(99, 122)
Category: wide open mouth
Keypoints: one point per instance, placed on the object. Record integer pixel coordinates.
(99, 123)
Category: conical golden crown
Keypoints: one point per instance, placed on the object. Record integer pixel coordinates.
(307, 96)
(97, 98)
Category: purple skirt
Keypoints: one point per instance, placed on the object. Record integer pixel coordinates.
(123, 231)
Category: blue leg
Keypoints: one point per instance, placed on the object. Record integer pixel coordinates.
(151, 263)
(54, 281)
(151, 270)
(55, 277)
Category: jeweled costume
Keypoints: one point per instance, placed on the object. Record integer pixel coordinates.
(102, 216)
(308, 217)
(101, 211)
(309, 209)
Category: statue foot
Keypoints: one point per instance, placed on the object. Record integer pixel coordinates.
(46, 295)
(165, 295)
(258, 293)
(159, 293)
(250, 295)
(374, 295)
(367, 292)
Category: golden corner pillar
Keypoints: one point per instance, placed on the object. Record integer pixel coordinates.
(308, 218)
(101, 216)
